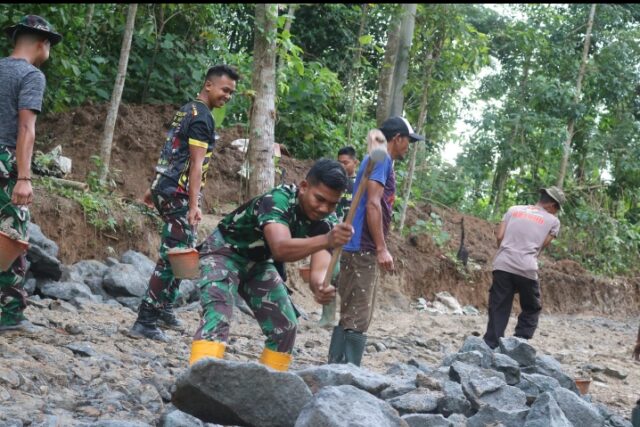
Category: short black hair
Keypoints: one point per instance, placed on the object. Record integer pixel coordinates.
(347, 151)
(546, 198)
(223, 70)
(328, 172)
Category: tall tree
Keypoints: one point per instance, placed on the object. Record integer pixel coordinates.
(263, 114)
(387, 70)
(572, 120)
(354, 76)
(116, 95)
(401, 70)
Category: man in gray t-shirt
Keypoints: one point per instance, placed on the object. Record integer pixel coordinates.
(523, 233)
(22, 87)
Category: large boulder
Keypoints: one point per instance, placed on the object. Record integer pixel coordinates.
(234, 393)
(321, 376)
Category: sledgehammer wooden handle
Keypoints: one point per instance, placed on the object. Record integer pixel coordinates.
(375, 156)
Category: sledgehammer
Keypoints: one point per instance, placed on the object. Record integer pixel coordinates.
(375, 156)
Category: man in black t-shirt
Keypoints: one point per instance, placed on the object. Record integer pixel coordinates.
(176, 193)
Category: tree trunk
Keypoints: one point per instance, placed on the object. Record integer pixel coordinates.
(262, 124)
(570, 127)
(354, 77)
(387, 70)
(116, 95)
(422, 118)
(287, 27)
(87, 27)
(402, 61)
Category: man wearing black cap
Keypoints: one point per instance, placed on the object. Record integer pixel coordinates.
(22, 87)
(522, 235)
(367, 251)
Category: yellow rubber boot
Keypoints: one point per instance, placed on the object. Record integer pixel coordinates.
(204, 348)
(275, 360)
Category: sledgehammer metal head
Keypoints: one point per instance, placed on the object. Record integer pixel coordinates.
(377, 155)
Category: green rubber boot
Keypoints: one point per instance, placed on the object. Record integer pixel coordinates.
(336, 346)
(328, 318)
(354, 343)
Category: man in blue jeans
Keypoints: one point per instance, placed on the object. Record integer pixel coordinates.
(522, 235)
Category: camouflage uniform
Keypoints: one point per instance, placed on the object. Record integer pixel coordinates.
(193, 124)
(235, 260)
(13, 298)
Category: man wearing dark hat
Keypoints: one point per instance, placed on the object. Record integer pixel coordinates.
(22, 87)
(522, 235)
(367, 250)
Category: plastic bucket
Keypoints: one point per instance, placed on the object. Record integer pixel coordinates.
(305, 272)
(185, 263)
(10, 250)
(583, 385)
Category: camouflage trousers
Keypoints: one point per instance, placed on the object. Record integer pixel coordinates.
(13, 298)
(176, 233)
(225, 275)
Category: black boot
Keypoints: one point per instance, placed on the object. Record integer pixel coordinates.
(145, 325)
(168, 319)
(354, 343)
(336, 346)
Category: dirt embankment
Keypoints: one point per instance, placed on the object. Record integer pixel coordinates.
(423, 268)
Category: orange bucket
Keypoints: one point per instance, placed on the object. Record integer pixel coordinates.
(185, 263)
(583, 385)
(10, 250)
(305, 272)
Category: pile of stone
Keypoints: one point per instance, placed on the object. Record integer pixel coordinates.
(113, 281)
(477, 386)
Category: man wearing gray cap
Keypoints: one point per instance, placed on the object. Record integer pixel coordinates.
(522, 235)
(22, 87)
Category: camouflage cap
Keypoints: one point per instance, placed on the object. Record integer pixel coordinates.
(556, 194)
(36, 25)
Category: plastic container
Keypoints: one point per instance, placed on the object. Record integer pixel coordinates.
(583, 385)
(305, 272)
(10, 250)
(185, 263)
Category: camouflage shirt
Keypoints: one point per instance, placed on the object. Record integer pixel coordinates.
(193, 125)
(342, 211)
(243, 228)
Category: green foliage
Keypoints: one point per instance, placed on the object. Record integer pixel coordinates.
(432, 227)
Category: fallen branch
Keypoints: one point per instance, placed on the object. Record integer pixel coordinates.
(76, 185)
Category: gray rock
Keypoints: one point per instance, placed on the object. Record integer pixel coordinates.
(461, 372)
(457, 420)
(90, 272)
(615, 373)
(189, 292)
(83, 349)
(396, 390)
(473, 357)
(454, 401)
(346, 405)
(491, 416)
(547, 365)
(30, 285)
(116, 423)
(403, 370)
(130, 302)
(579, 412)
(432, 382)
(419, 401)
(545, 412)
(426, 420)
(508, 366)
(473, 343)
(217, 391)
(64, 290)
(43, 265)
(318, 377)
(535, 384)
(611, 419)
(37, 238)
(140, 261)
(519, 350)
(178, 418)
(124, 280)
